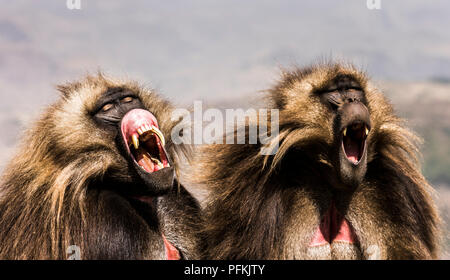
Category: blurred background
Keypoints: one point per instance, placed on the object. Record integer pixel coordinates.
(226, 52)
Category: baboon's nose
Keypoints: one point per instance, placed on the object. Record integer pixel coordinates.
(354, 111)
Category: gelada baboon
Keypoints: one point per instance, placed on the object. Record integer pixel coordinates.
(345, 182)
(94, 178)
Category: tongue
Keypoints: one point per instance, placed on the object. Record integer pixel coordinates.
(353, 159)
(144, 161)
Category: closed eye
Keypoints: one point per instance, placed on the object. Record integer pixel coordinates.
(107, 107)
(127, 99)
(334, 98)
(353, 89)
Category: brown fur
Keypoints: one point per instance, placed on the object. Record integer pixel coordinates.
(49, 196)
(268, 207)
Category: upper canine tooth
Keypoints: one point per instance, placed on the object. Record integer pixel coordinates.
(345, 132)
(135, 140)
(159, 134)
(367, 131)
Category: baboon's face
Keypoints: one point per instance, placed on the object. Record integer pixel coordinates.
(330, 111)
(138, 138)
(351, 126)
(125, 125)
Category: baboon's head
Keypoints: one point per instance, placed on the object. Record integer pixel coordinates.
(125, 124)
(328, 107)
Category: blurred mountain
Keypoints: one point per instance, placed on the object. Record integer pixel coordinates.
(426, 106)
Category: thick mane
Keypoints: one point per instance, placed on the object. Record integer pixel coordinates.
(397, 156)
(35, 177)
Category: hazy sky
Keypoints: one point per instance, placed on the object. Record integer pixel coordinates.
(212, 49)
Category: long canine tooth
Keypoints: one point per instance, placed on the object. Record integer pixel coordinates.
(159, 133)
(155, 160)
(345, 132)
(135, 140)
(367, 131)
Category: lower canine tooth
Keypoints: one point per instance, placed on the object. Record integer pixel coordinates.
(155, 160)
(345, 132)
(367, 131)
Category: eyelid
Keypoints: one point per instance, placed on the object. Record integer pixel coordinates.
(107, 107)
(127, 99)
(353, 89)
(334, 98)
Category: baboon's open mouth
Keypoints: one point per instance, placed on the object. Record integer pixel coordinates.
(354, 141)
(145, 145)
(144, 141)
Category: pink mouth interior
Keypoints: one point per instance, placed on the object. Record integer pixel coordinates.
(150, 154)
(353, 143)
